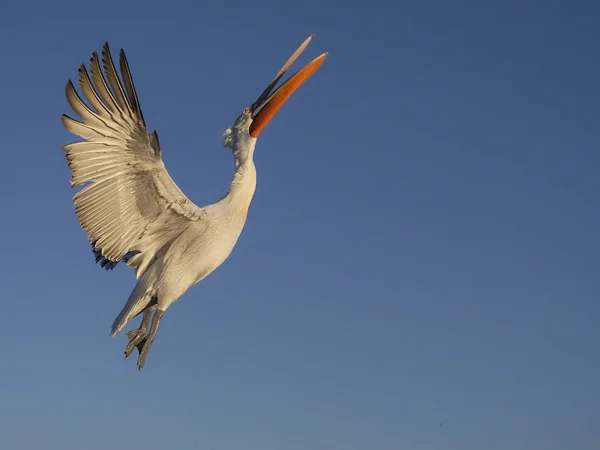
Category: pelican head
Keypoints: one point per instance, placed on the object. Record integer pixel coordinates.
(244, 131)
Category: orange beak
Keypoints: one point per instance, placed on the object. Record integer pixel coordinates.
(268, 104)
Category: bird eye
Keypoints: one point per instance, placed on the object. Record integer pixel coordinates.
(247, 110)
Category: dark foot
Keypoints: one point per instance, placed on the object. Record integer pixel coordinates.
(137, 338)
(149, 339)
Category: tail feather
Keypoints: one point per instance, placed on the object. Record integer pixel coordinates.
(140, 298)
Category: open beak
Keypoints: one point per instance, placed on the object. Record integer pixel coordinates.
(269, 102)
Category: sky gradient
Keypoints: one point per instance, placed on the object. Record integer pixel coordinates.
(419, 269)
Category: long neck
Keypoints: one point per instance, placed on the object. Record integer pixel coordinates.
(242, 188)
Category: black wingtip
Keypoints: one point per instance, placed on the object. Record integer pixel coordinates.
(105, 263)
(109, 264)
(106, 52)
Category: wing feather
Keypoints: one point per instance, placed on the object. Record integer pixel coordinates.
(129, 206)
(129, 86)
(113, 80)
(92, 96)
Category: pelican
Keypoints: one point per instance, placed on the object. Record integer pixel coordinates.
(131, 209)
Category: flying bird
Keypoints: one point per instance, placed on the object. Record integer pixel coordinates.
(132, 210)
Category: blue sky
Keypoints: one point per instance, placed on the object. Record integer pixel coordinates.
(419, 269)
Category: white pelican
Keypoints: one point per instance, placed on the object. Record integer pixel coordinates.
(133, 211)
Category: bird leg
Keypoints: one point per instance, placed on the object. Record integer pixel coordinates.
(137, 336)
(149, 339)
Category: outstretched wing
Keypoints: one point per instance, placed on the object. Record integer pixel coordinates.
(130, 206)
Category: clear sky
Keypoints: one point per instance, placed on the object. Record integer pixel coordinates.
(419, 269)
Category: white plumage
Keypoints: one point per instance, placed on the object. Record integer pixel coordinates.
(130, 207)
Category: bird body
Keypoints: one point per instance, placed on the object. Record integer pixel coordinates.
(199, 248)
(134, 212)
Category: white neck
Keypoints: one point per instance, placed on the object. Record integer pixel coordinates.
(242, 187)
